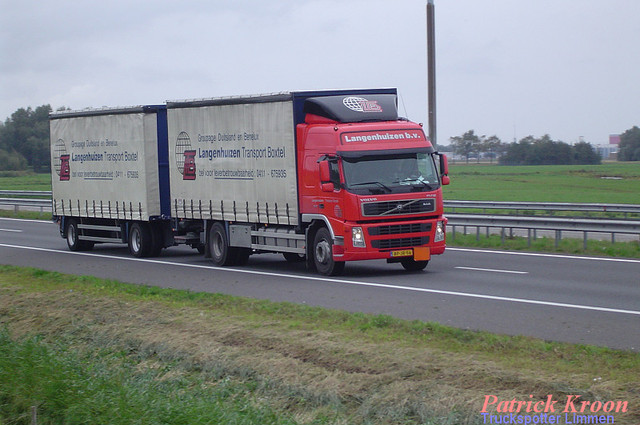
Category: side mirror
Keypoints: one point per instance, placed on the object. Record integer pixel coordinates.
(326, 187)
(444, 165)
(325, 175)
(444, 169)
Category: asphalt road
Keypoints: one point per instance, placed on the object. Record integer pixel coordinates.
(555, 297)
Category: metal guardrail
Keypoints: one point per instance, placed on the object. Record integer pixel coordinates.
(34, 193)
(18, 203)
(544, 206)
(534, 224)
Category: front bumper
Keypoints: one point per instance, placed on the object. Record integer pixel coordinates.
(392, 240)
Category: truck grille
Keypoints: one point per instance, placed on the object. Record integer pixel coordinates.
(414, 206)
(396, 229)
(399, 243)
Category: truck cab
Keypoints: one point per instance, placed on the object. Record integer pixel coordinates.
(373, 179)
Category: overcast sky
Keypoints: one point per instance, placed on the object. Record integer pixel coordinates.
(567, 68)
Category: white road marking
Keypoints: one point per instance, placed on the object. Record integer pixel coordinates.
(545, 255)
(27, 220)
(478, 269)
(11, 230)
(340, 281)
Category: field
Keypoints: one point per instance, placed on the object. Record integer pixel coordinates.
(609, 183)
(86, 350)
(27, 181)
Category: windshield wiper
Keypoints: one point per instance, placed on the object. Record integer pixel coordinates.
(412, 182)
(368, 183)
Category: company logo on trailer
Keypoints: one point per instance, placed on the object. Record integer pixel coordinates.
(360, 104)
(185, 157)
(61, 160)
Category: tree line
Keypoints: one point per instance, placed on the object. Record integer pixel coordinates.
(24, 140)
(24, 144)
(540, 151)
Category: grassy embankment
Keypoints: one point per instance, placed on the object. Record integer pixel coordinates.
(87, 350)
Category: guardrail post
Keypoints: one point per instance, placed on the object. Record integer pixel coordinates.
(558, 237)
(584, 241)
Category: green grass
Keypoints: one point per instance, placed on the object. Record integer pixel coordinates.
(546, 244)
(107, 387)
(25, 181)
(551, 183)
(88, 350)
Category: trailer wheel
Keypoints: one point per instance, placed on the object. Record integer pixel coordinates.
(323, 254)
(413, 265)
(140, 240)
(221, 253)
(157, 240)
(292, 257)
(73, 241)
(241, 256)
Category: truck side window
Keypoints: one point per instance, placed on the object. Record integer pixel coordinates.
(334, 173)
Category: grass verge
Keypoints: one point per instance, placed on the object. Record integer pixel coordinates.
(546, 244)
(88, 350)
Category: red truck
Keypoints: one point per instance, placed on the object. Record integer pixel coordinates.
(322, 176)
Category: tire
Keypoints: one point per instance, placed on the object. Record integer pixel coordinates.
(241, 256)
(73, 241)
(221, 253)
(323, 254)
(292, 257)
(413, 266)
(157, 240)
(140, 240)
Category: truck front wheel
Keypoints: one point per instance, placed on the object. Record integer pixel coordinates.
(140, 240)
(323, 254)
(413, 265)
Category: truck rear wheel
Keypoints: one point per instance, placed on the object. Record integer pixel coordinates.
(140, 240)
(221, 253)
(323, 254)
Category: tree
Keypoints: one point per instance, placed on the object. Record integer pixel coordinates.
(584, 154)
(630, 145)
(516, 153)
(466, 144)
(545, 151)
(27, 133)
(492, 147)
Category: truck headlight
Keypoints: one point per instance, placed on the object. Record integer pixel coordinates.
(357, 236)
(439, 237)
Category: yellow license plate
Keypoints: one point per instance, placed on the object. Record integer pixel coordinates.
(402, 253)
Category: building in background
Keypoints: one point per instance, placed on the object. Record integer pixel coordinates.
(609, 151)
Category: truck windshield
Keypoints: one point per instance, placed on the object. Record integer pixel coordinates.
(411, 172)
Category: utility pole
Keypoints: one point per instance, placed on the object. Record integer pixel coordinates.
(431, 71)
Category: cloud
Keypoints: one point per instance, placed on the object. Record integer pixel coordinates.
(563, 67)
